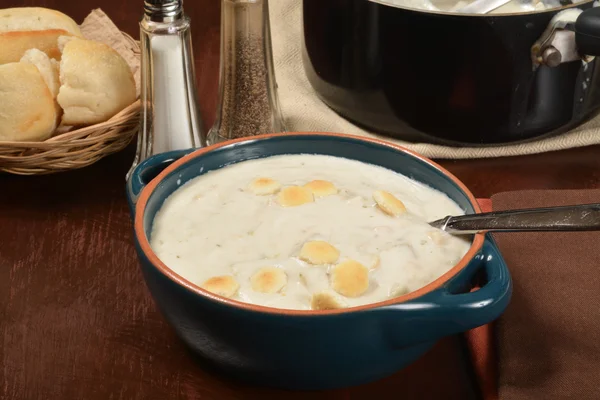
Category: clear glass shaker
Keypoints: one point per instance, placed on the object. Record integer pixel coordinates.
(170, 117)
(248, 103)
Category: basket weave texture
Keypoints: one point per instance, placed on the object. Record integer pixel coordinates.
(75, 149)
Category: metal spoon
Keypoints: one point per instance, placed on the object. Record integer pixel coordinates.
(584, 217)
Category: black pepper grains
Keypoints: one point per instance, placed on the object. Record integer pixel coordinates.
(248, 103)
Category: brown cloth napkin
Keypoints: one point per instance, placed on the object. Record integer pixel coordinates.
(548, 340)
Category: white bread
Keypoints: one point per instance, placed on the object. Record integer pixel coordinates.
(27, 108)
(24, 28)
(96, 83)
(36, 19)
(48, 67)
(62, 41)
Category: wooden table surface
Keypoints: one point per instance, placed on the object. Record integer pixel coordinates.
(76, 320)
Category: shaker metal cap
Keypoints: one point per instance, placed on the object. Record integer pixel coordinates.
(163, 9)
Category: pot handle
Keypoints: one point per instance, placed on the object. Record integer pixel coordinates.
(587, 32)
(148, 170)
(442, 313)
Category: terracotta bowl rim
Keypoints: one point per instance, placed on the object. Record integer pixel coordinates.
(144, 244)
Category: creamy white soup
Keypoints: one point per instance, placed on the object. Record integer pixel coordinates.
(306, 232)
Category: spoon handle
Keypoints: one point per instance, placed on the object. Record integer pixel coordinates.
(584, 217)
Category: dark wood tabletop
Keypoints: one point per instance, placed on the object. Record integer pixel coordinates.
(76, 320)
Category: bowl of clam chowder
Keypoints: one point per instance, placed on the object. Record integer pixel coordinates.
(306, 261)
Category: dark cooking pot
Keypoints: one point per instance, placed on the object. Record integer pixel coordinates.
(454, 78)
(314, 349)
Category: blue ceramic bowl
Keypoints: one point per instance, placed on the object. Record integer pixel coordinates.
(314, 349)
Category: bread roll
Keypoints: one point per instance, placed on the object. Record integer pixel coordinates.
(25, 28)
(96, 83)
(27, 108)
(62, 42)
(48, 67)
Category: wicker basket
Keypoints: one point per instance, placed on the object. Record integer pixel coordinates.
(74, 149)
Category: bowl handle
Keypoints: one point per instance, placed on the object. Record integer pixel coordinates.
(443, 312)
(148, 170)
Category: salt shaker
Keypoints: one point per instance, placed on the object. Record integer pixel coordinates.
(248, 103)
(170, 117)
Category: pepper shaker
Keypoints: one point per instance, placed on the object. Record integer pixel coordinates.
(248, 103)
(170, 118)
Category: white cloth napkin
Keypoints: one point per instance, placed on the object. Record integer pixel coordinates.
(305, 112)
